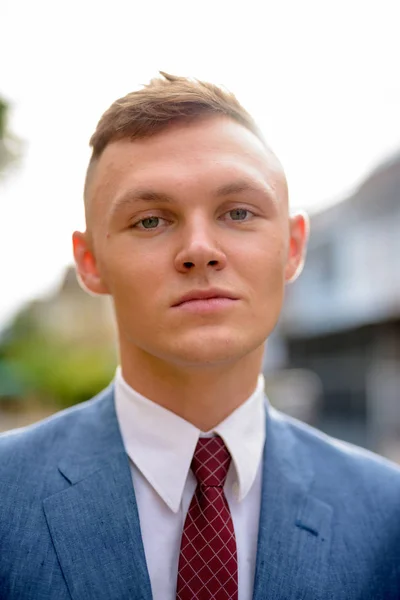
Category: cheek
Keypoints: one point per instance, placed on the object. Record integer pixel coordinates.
(266, 267)
(131, 277)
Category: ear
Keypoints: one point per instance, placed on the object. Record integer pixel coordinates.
(86, 267)
(299, 224)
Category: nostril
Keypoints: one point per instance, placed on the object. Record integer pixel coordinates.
(188, 265)
(213, 263)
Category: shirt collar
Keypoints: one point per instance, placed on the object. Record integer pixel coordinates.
(161, 444)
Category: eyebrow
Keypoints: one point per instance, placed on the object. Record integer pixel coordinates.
(137, 195)
(239, 186)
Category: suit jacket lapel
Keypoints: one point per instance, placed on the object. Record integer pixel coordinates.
(94, 523)
(295, 526)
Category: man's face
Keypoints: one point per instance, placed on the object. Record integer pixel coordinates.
(198, 211)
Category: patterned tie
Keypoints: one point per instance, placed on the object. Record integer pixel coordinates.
(208, 562)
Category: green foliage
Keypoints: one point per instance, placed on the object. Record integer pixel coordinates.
(62, 373)
(11, 381)
(3, 117)
(10, 144)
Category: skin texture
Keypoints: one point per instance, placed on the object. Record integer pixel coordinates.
(216, 203)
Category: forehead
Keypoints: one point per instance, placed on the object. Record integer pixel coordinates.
(208, 153)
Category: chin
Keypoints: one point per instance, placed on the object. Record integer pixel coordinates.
(212, 349)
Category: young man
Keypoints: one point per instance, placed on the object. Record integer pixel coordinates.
(179, 480)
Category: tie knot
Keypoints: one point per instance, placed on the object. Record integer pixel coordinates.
(211, 462)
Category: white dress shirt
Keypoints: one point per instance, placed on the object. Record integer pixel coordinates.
(160, 446)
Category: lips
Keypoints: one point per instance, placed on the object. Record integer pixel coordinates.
(209, 294)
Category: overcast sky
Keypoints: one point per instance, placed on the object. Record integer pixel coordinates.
(321, 78)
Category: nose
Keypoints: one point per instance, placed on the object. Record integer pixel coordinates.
(199, 250)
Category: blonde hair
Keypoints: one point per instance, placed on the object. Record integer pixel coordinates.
(162, 102)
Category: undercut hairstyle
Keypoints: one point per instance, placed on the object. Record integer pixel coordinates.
(165, 101)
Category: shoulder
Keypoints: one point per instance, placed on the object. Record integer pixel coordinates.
(43, 444)
(339, 469)
(360, 493)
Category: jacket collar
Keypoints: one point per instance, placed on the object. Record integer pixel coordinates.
(295, 526)
(94, 522)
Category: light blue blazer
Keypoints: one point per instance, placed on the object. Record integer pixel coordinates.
(69, 525)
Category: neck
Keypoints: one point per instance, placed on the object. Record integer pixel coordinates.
(203, 396)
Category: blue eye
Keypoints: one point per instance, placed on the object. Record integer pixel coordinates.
(238, 214)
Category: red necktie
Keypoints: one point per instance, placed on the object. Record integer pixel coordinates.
(208, 561)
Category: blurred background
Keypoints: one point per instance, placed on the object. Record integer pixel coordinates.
(322, 81)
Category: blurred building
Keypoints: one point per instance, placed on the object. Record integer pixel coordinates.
(58, 350)
(73, 315)
(342, 316)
